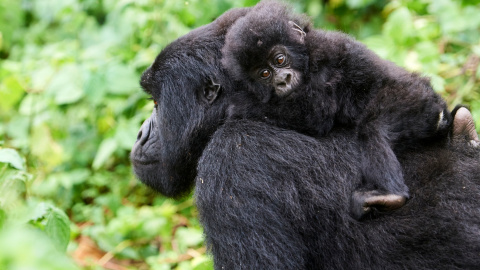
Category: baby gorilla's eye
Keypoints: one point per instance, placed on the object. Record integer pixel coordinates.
(265, 73)
(280, 59)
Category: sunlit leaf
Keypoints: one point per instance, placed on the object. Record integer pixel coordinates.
(358, 3)
(11, 92)
(121, 79)
(40, 78)
(437, 82)
(26, 248)
(105, 151)
(48, 9)
(189, 236)
(399, 25)
(67, 85)
(38, 211)
(10, 21)
(33, 104)
(58, 228)
(202, 263)
(3, 217)
(12, 157)
(381, 45)
(44, 147)
(96, 86)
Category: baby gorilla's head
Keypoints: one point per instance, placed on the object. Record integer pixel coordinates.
(277, 71)
(265, 51)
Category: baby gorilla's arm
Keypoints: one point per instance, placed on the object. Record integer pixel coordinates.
(382, 185)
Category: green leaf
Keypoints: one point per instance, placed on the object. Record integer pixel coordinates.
(67, 85)
(381, 45)
(44, 146)
(450, 16)
(121, 79)
(358, 3)
(11, 20)
(48, 9)
(41, 77)
(105, 151)
(202, 263)
(438, 83)
(58, 228)
(33, 104)
(399, 25)
(95, 87)
(11, 156)
(3, 218)
(23, 247)
(189, 237)
(11, 92)
(38, 211)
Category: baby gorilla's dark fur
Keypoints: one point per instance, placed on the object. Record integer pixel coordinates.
(314, 81)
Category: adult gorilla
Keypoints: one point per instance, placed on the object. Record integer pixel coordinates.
(274, 199)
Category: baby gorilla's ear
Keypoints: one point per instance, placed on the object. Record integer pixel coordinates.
(297, 32)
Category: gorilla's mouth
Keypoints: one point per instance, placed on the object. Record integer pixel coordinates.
(283, 90)
(281, 85)
(137, 162)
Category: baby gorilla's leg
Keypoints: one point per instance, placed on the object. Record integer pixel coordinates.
(382, 185)
(364, 201)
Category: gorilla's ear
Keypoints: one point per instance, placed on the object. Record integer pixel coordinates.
(297, 32)
(210, 91)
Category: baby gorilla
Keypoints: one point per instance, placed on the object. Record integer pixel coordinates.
(313, 81)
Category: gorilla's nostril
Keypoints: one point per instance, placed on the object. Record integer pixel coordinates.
(288, 78)
(144, 132)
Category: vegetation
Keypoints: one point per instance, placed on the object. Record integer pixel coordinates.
(70, 108)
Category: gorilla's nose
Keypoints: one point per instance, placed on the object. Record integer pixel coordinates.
(283, 79)
(144, 132)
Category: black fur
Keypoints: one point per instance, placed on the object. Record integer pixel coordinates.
(164, 156)
(345, 85)
(271, 198)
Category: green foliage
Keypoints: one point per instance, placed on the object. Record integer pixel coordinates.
(70, 109)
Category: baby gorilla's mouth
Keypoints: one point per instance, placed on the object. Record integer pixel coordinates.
(283, 90)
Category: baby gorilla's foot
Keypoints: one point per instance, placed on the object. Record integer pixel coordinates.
(363, 202)
(464, 127)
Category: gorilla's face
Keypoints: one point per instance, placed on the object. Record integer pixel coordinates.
(188, 88)
(157, 155)
(278, 71)
(183, 82)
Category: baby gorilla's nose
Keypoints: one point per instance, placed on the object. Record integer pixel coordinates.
(282, 83)
(283, 79)
(288, 79)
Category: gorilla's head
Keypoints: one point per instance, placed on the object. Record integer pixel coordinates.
(188, 88)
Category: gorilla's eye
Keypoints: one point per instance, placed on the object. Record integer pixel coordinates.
(280, 59)
(265, 73)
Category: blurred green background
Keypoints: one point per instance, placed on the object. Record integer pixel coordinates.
(70, 109)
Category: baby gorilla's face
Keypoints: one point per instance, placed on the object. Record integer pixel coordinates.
(278, 72)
